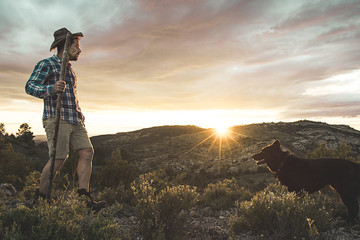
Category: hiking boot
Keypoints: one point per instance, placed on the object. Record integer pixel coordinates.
(35, 201)
(39, 195)
(93, 205)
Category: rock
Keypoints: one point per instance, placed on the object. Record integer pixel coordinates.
(6, 189)
(13, 203)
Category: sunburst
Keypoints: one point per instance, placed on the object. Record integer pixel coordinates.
(222, 130)
(219, 135)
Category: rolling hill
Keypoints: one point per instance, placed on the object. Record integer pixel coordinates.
(194, 149)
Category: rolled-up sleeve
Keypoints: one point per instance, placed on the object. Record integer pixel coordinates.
(36, 85)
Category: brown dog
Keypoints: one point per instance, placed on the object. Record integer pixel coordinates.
(313, 174)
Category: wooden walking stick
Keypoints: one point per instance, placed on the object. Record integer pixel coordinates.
(64, 63)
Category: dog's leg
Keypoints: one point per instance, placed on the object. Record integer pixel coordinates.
(351, 205)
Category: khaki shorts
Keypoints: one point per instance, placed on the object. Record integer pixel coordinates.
(72, 135)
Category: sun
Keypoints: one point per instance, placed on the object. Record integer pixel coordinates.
(222, 130)
(219, 135)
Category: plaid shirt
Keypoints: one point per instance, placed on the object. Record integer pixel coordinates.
(41, 83)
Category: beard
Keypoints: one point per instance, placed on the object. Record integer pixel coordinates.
(73, 57)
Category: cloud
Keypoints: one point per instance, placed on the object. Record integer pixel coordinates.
(191, 55)
(181, 54)
(28, 26)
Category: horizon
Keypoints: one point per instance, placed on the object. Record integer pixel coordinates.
(206, 63)
(222, 123)
(220, 130)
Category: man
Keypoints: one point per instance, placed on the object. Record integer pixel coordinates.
(43, 84)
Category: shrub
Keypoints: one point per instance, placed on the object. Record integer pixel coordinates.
(66, 218)
(100, 226)
(62, 219)
(31, 184)
(119, 194)
(160, 207)
(343, 151)
(145, 190)
(17, 223)
(13, 165)
(223, 194)
(115, 171)
(279, 213)
(171, 204)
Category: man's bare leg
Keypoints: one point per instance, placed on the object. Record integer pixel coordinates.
(84, 168)
(84, 172)
(45, 175)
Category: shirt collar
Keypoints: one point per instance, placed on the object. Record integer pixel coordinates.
(56, 58)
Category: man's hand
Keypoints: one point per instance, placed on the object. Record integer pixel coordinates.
(59, 87)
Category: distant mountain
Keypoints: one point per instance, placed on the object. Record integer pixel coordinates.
(194, 149)
(39, 139)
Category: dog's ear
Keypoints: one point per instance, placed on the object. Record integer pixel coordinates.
(276, 143)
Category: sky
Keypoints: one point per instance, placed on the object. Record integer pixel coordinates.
(208, 63)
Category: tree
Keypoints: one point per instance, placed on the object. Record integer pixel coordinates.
(2, 129)
(24, 134)
(24, 128)
(13, 165)
(116, 171)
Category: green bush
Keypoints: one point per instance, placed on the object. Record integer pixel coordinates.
(66, 218)
(102, 225)
(115, 171)
(172, 203)
(17, 223)
(31, 184)
(161, 208)
(145, 190)
(343, 151)
(223, 194)
(118, 194)
(281, 214)
(13, 165)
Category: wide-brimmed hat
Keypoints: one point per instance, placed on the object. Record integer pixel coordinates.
(60, 36)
